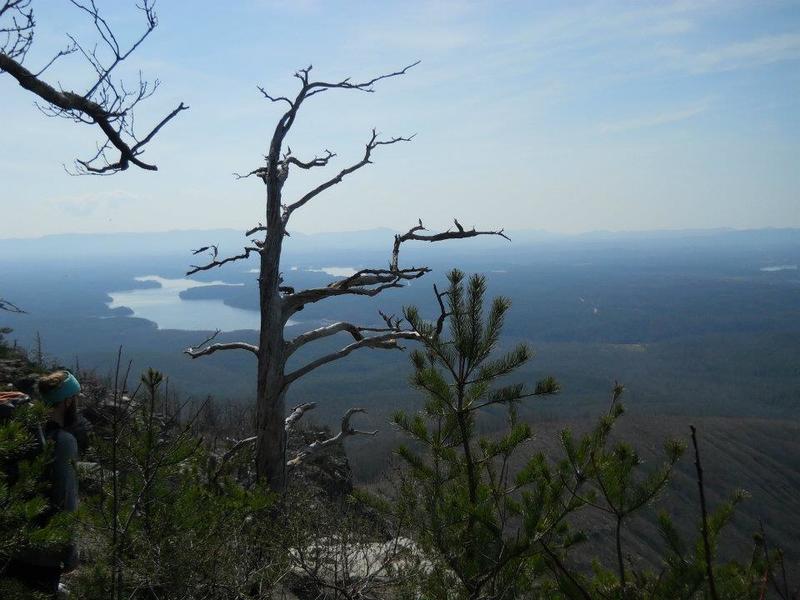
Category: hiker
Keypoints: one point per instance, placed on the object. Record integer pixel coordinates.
(39, 570)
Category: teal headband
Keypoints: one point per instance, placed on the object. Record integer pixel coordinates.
(70, 387)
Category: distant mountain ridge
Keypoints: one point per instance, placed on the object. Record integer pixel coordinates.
(378, 239)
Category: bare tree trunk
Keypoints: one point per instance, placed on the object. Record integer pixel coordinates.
(279, 301)
(270, 399)
(271, 440)
(271, 406)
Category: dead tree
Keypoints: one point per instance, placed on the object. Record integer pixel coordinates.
(10, 307)
(106, 103)
(279, 302)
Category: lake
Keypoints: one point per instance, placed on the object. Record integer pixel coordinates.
(164, 306)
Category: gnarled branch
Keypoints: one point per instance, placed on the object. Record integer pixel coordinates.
(371, 282)
(443, 313)
(283, 166)
(206, 347)
(274, 98)
(356, 331)
(297, 414)
(346, 84)
(106, 104)
(346, 431)
(256, 229)
(307, 89)
(373, 143)
(218, 263)
(317, 161)
(18, 32)
(210, 349)
(368, 282)
(386, 341)
(459, 233)
(10, 307)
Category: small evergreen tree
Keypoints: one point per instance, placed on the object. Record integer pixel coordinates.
(493, 530)
(614, 483)
(488, 525)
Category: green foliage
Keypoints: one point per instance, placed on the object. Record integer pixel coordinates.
(495, 526)
(165, 520)
(686, 570)
(612, 471)
(27, 524)
(165, 515)
(487, 525)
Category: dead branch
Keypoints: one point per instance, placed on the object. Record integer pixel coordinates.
(260, 172)
(309, 89)
(443, 313)
(317, 161)
(367, 282)
(69, 49)
(255, 229)
(213, 250)
(356, 331)
(206, 347)
(283, 169)
(108, 104)
(345, 431)
(297, 414)
(704, 513)
(373, 143)
(274, 98)
(229, 454)
(17, 34)
(367, 277)
(218, 263)
(237, 445)
(274, 177)
(10, 307)
(386, 341)
(346, 84)
(459, 233)
(371, 282)
(198, 352)
(279, 301)
(263, 172)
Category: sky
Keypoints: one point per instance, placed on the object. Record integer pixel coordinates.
(561, 116)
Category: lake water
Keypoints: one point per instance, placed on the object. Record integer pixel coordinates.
(164, 306)
(776, 268)
(333, 271)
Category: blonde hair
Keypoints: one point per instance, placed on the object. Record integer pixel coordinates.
(51, 381)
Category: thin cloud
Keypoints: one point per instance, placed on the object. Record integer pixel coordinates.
(86, 204)
(670, 27)
(290, 6)
(752, 53)
(422, 38)
(653, 120)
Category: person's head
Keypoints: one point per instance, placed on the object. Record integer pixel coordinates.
(59, 391)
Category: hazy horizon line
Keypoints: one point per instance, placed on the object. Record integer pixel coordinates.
(509, 232)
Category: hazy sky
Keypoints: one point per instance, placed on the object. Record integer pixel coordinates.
(566, 116)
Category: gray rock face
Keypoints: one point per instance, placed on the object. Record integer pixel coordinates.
(15, 372)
